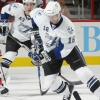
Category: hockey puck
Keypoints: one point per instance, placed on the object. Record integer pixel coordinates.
(76, 95)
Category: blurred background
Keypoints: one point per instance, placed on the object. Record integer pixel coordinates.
(78, 9)
(81, 9)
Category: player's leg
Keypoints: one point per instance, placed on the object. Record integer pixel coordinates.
(3, 90)
(11, 52)
(77, 63)
(51, 72)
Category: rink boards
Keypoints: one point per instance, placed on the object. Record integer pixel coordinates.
(88, 36)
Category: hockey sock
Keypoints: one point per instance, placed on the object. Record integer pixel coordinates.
(63, 89)
(87, 77)
(56, 85)
(94, 86)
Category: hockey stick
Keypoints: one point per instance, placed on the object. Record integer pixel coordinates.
(8, 78)
(25, 47)
(39, 74)
(2, 41)
(71, 82)
(22, 45)
(76, 95)
(3, 73)
(44, 92)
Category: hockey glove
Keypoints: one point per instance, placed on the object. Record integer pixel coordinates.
(42, 58)
(32, 54)
(4, 27)
(33, 49)
(35, 57)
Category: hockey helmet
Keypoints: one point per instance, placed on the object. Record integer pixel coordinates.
(26, 1)
(52, 8)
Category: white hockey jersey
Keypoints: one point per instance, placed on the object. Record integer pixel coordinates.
(63, 32)
(21, 26)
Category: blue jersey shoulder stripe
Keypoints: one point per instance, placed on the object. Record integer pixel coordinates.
(4, 16)
(58, 49)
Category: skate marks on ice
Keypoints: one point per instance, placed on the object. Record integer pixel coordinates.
(30, 92)
(24, 85)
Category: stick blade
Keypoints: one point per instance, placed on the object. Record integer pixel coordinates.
(76, 95)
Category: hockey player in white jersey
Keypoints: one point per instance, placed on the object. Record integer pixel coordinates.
(21, 30)
(59, 40)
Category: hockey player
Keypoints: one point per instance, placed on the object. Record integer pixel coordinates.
(59, 40)
(21, 30)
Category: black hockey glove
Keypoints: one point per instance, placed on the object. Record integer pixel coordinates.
(40, 57)
(43, 57)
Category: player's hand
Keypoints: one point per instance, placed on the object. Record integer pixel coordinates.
(36, 58)
(41, 57)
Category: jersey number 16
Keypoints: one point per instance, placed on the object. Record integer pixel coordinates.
(71, 39)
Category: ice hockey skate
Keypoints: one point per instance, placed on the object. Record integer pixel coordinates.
(3, 91)
(65, 97)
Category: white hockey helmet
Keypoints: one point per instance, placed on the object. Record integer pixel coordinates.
(26, 1)
(52, 8)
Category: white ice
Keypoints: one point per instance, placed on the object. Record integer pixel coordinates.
(24, 84)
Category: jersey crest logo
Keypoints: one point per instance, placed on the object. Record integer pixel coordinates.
(25, 30)
(39, 13)
(51, 41)
(70, 30)
(15, 6)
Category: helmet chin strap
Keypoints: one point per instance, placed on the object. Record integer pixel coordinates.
(59, 16)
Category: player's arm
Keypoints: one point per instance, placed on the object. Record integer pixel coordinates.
(35, 35)
(39, 55)
(4, 26)
(10, 9)
(37, 43)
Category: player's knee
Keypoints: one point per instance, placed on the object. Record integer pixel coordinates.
(84, 74)
(58, 86)
(8, 58)
(49, 80)
(10, 55)
(55, 85)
